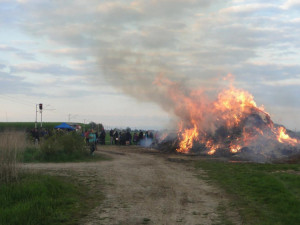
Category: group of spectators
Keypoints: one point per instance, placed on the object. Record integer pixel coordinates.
(100, 136)
(92, 137)
(126, 138)
(120, 137)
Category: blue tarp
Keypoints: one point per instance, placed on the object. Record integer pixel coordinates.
(64, 126)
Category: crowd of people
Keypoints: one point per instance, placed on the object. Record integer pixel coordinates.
(99, 136)
(122, 137)
(118, 137)
(126, 137)
(93, 137)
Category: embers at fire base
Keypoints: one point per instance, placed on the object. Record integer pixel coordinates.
(267, 151)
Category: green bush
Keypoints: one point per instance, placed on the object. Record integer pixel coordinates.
(62, 146)
(59, 147)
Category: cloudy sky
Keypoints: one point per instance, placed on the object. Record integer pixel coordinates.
(97, 60)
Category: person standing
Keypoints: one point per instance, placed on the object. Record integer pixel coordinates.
(116, 137)
(151, 135)
(86, 135)
(111, 135)
(36, 136)
(92, 142)
(102, 137)
(128, 137)
(141, 137)
(135, 138)
(146, 135)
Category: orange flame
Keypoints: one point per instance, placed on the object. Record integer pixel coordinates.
(233, 104)
(234, 116)
(212, 147)
(235, 148)
(188, 137)
(283, 137)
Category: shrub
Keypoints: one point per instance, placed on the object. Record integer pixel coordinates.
(63, 146)
(11, 143)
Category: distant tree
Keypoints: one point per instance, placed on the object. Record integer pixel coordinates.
(100, 126)
(92, 125)
(95, 126)
(128, 129)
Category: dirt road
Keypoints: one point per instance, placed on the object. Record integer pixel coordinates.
(143, 187)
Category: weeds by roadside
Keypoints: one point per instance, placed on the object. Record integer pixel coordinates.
(61, 147)
(43, 200)
(11, 143)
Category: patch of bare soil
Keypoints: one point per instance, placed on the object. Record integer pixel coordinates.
(142, 188)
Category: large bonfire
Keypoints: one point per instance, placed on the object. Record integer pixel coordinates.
(231, 123)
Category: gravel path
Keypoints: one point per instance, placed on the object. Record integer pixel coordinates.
(143, 187)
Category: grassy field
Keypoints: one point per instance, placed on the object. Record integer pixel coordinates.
(25, 125)
(29, 125)
(41, 200)
(262, 193)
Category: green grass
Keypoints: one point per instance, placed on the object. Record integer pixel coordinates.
(42, 200)
(25, 125)
(263, 193)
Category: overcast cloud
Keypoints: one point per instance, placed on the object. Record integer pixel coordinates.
(120, 47)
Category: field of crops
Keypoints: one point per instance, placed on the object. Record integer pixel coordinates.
(25, 125)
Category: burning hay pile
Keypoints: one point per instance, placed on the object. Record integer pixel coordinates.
(231, 126)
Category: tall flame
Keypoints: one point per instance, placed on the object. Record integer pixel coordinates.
(187, 139)
(233, 104)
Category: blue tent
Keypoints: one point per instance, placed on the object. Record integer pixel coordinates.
(64, 126)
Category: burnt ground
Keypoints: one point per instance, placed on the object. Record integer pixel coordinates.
(143, 186)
